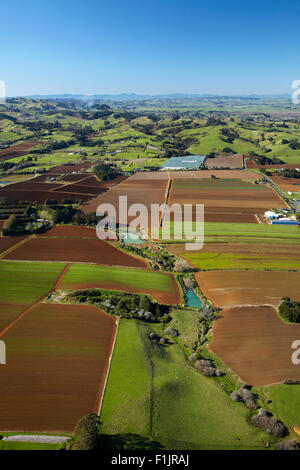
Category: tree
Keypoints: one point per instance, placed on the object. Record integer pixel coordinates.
(86, 433)
(181, 266)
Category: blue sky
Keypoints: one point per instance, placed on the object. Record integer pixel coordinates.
(158, 46)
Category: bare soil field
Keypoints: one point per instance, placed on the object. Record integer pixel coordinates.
(227, 289)
(74, 231)
(70, 168)
(58, 357)
(8, 242)
(256, 344)
(253, 164)
(199, 174)
(224, 200)
(37, 190)
(41, 196)
(287, 184)
(147, 192)
(228, 161)
(17, 150)
(74, 250)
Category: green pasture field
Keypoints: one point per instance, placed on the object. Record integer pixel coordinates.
(122, 277)
(241, 261)
(25, 282)
(4, 445)
(285, 403)
(215, 232)
(155, 393)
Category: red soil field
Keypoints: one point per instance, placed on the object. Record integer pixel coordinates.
(278, 251)
(225, 161)
(8, 242)
(32, 185)
(165, 175)
(74, 250)
(253, 164)
(17, 150)
(79, 189)
(145, 192)
(71, 231)
(287, 184)
(248, 288)
(40, 196)
(70, 168)
(256, 344)
(224, 200)
(57, 362)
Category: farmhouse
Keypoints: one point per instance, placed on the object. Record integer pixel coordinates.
(191, 162)
(271, 215)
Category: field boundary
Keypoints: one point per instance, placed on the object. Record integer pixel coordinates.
(99, 407)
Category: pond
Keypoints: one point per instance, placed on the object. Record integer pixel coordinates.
(132, 237)
(192, 299)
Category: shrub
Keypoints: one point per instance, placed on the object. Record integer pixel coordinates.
(290, 310)
(171, 331)
(288, 444)
(269, 424)
(86, 433)
(181, 266)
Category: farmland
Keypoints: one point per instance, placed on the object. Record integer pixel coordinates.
(147, 192)
(228, 289)
(35, 190)
(225, 200)
(162, 286)
(256, 344)
(36, 392)
(160, 396)
(239, 256)
(73, 250)
(58, 351)
(228, 161)
(22, 284)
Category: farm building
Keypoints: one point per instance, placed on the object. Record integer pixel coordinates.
(191, 162)
(284, 221)
(271, 215)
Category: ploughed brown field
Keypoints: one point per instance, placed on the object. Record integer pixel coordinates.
(74, 250)
(287, 184)
(198, 174)
(147, 192)
(17, 150)
(76, 231)
(57, 362)
(224, 200)
(252, 164)
(70, 168)
(256, 344)
(8, 242)
(248, 288)
(41, 188)
(225, 161)
(40, 196)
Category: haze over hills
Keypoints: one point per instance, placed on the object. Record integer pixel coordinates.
(135, 96)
